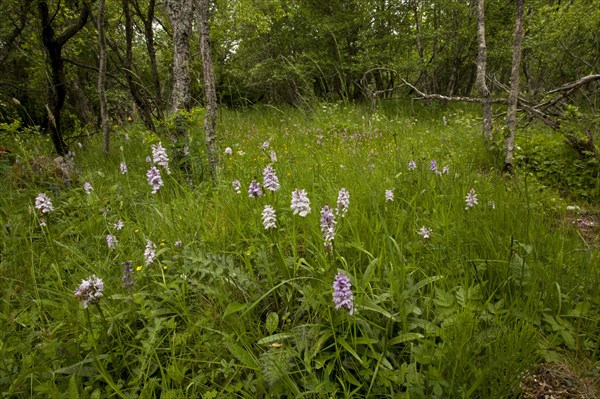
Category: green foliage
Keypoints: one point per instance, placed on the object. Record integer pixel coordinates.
(555, 163)
(229, 309)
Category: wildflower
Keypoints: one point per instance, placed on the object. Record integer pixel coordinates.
(300, 203)
(433, 165)
(424, 232)
(111, 241)
(90, 290)
(139, 268)
(154, 179)
(43, 203)
(241, 153)
(148, 160)
(342, 294)
(228, 151)
(123, 168)
(273, 156)
(178, 243)
(271, 182)
(389, 196)
(119, 225)
(412, 165)
(265, 145)
(446, 169)
(160, 157)
(79, 145)
(237, 186)
(328, 225)
(269, 218)
(127, 278)
(471, 199)
(150, 252)
(254, 190)
(343, 202)
(88, 188)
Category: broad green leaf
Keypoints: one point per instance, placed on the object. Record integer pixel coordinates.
(234, 307)
(347, 346)
(405, 337)
(272, 322)
(275, 338)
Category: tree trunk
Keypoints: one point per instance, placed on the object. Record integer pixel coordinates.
(180, 17)
(484, 92)
(102, 80)
(513, 95)
(148, 21)
(139, 98)
(54, 45)
(210, 121)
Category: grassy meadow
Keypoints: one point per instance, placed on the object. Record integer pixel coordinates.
(449, 300)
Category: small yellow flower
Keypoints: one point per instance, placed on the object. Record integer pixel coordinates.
(162, 244)
(138, 268)
(137, 230)
(165, 267)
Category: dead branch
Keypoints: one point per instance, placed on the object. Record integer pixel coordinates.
(577, 84)
(452, 98)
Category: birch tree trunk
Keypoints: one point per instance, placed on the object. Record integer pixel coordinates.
(102, 80)
(210, 121)
(484, 92)
(180, 17)
(511, 117)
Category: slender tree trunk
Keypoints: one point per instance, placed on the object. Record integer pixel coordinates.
(54, 44)
(180, 17)
(484, 92)
(102, 80)
(513, 95)
(148, 21)
(210, 121)
(138, 97)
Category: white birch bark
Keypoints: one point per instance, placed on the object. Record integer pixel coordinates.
(210, 121)
(513, 95)
(484, 92)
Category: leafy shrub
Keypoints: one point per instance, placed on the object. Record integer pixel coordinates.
(557, 164)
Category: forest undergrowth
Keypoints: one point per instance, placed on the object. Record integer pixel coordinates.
(343, 252)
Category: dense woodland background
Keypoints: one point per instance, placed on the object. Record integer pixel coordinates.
(276, 51)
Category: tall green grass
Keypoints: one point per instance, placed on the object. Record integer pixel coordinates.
(238, 311)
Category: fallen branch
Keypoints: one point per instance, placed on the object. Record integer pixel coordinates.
(453, 98)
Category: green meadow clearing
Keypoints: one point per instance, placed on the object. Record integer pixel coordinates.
(450, 297)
